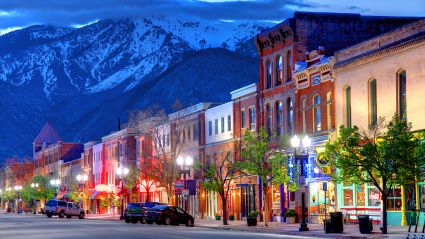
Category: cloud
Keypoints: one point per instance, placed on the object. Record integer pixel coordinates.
(80, 12)
(358, 9)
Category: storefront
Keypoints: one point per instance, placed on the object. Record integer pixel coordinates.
(322, 200)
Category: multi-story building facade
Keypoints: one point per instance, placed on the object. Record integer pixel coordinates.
(282, 46)
(245, 191)
(219, 145)
(378, 78)
(187, 141)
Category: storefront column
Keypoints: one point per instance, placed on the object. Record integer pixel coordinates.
(403, 207)
(417, 195)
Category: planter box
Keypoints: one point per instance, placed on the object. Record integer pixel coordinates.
(290, 220)
(217, 218)
(252, 221)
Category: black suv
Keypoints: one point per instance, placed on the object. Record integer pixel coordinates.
(134, 212)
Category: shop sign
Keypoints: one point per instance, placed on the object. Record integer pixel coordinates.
(185, 192)
(179, 184)
(374, 196)
(102, 188)
(326, 170)
(315, 80)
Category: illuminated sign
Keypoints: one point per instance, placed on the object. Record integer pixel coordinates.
(102, 188)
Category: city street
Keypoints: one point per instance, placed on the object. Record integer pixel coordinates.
(38, 226)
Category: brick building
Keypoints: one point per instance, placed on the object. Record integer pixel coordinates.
(378, 78)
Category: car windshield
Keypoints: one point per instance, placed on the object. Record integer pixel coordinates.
(160, 208)
(151, 204)
(133, 205)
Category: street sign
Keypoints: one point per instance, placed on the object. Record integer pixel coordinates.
(185, 192)
(325, 186)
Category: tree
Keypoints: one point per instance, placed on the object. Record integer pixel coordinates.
(159, 159)
(44, 190)
(262, 156)
(218, 173)
(385, 159)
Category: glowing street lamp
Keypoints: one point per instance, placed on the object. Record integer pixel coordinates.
(306, 143)
(122, 173)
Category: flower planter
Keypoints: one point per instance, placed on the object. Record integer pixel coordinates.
(252, 221)
(231, 217)
(217, 218)
(290, 220)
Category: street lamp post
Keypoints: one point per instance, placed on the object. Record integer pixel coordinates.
(55, 183)
(185, 164)
(122, 173)
(34, 186)
(295, 143)
(18, 189)
(82, 179)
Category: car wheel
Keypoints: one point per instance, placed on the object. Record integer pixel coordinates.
(149, 222)
(167, 221)
(134, 220)
(49, 214)
(81, 216)
(143, 221)
(127, 220)
(61, 214)
(189, 223)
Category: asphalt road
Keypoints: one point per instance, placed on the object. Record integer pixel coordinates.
(14, 226)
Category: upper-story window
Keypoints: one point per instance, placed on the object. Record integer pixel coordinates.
(347, 106)
(252, 118)
(279, 70)
(268, 119)
(288, 66)
(229, 123)
(268, 74)
(278, 115)
(222, 124)
(401, 94)
(188, 133)
(184, 135)
(329, 110)
(195, 132)
(289, 115)
(216, 126)
(373, 107)
(317, 114)
(210, 128)
(243, 119)
(304, 109)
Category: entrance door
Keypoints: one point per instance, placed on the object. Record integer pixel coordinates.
(248, 197)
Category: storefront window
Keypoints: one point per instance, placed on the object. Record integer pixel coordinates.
(374, 197)
(360, 195)
(348, 197)
(394, 199)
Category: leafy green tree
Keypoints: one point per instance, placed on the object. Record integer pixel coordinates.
(44, 191)
(385, 159)
(218, 173)
(262, 155)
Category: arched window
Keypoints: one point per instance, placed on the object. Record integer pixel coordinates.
(347, 106)
(268, 119)
(288, 66)
(373, 115)
(401, 94)
(279, 112)
(289, 116)
(316, 114)
(329, 110)
(268, 74)
(304, 108)
(279, 70)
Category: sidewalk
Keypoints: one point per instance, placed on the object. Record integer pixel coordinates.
(105, 217)
(316, 230)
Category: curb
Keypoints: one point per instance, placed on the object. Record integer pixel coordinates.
(319, 235)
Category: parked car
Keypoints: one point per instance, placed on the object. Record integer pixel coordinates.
(134, 212)
(62, 208)
(55, 207)
(74, 210)
(164, 214)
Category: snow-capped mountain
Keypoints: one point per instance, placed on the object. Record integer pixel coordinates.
(108, 53)
(81, 79)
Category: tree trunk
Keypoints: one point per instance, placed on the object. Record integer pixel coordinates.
(148, 195)
(266, 205)
(384, 212)
(224, 203)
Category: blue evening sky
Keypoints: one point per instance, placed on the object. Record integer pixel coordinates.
(15, 14)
